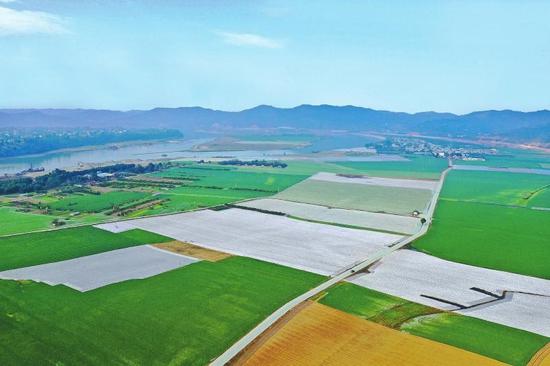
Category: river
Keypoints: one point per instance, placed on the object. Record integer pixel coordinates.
(129, 151)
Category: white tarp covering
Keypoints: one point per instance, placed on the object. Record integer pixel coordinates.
(98, 270)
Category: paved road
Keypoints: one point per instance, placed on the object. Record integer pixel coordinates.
(241, 344)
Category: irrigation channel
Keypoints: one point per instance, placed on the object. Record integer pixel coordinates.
(245, 341)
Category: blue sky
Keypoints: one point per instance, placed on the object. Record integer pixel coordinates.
(455, 56)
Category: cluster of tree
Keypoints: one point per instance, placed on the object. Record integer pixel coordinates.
(271, 163)
(62, 178)
(17, 142)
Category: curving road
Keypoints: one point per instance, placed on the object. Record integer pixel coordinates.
(242, 343)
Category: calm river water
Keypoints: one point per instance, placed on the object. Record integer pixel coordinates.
(144, 151)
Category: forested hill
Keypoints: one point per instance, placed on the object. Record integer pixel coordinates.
(505, 124)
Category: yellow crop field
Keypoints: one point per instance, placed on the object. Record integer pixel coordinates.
(192, 250)
(542, 357)
(321, 335)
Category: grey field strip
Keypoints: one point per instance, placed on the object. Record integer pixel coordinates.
(376, 181)
(370, 220)
(116, 227)
(362, 197)
(98, 270)
(506, 170)
(436, 282)
(312, 247)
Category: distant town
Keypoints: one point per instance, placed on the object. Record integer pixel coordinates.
(401, 145)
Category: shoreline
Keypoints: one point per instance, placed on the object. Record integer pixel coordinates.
(91, 148)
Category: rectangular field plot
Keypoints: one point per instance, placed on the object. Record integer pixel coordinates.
(506, 298)
(421, 167)
(98, 270)
(318, 248)
(510, 239)
(515, 189)
(321, 335)
(365, 219)
(53, 246)
(96, 203)
(376, 181)
(186, 316)
(400, 201)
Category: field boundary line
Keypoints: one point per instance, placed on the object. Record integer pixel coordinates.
(541, 355)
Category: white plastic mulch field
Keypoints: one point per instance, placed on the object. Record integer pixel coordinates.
(318, 248)
(414, 276)
(98, 270)
(376, 181)
(116, 227)
(370, 220)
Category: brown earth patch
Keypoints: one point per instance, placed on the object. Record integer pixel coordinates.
(321, 335)
(192, 250)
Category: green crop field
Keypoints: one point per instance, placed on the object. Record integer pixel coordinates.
(509, 345)
(302, 167)
(186, 316)
(206, 175)
(498, 237)
(512, 158)
(189, 198)
(96, 203)
(13, 222)
(57, 245)
(421, 167)
(497, 187)
(358, 196)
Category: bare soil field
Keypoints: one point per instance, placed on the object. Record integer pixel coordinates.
(313, 247)
(321, 335)
(502, 297)
(98, 270)
(194, 251)
(365, 219)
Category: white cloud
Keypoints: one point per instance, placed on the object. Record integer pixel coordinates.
(249, 39)
(28, 22)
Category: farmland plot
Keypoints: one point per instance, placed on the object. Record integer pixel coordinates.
(313, 247)
(365, 219)
(510, 345)
(376, 181)
(53, 246)
(497, 187)
(13, 221)
(96, 203)
(423, 167)
(320, 335)
(116, 227)
(182, 317)
(400, 201)
(515, 300)
(510, 239)
(98, 270)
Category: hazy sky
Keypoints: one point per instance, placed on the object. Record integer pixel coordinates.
(455, 56)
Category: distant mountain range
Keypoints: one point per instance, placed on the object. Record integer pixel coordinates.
(506, 124)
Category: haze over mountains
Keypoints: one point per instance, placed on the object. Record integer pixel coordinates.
(505, 124)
